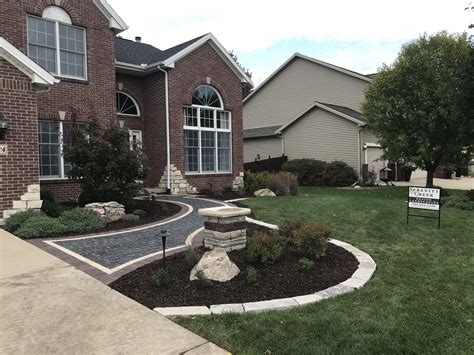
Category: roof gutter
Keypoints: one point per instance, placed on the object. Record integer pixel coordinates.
(168, 150)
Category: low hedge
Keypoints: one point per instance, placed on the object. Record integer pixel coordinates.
(311, 172)
(40, 226)
(81, 220)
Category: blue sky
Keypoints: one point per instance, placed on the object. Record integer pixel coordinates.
(358, 35)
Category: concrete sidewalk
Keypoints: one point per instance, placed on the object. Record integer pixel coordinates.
(47, 306)
(465, 183)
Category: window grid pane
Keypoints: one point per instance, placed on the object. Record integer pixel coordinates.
(223, 151)
(42, 43)
(190, 117)
(191, 151)
(223, 120)
(207, 118)
(208, 151)
(49, 144)
(71, 45)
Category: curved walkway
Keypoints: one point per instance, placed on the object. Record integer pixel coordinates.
(115, 251)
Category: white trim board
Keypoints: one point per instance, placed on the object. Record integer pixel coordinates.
(313, 60)
(14, 56)
(115, 20)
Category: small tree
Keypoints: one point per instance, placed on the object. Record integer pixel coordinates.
(419, 106)
(103, 164)
(246, 87)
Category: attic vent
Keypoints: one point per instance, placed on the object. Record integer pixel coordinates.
(138, 39)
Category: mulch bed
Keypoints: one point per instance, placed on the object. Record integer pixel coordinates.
(279, 280)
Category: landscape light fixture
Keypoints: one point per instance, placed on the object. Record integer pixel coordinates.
(164, 234)
(3, 129)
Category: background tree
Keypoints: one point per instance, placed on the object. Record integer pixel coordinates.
(246, 87)
(103, 164)
(419, 106)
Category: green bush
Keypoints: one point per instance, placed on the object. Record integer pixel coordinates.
(311, 239)
(51, 208)
(310, 172)
(264, 248)
(470, 195)
(160, 278)
(191, 257)
(283, 183)
(443, 192)
(81, 220)
(255, 181)
(139, 212)
(306, 265)
(14, 222)
(251, 276)
(288, 227)
(130, 218)
(339, 173)
(460, 202)
(40, 226)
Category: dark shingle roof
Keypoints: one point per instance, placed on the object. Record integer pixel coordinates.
(371, 76)
(260, 132)
(345, 110)
(132, 52)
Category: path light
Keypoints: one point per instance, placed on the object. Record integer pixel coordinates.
(164, 235)
(384, 174)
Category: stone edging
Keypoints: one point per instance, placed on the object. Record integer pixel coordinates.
(358, 279)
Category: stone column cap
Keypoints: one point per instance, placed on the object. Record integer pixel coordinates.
(224, 212)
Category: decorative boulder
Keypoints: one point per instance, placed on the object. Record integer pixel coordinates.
(108, 211)
(264, 193)
(216, 266)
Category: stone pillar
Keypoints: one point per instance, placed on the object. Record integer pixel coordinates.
(225, 227)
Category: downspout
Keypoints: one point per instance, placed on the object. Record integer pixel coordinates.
(168, 151)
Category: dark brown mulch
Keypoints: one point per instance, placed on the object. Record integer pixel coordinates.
(224, 195)
(279, 280)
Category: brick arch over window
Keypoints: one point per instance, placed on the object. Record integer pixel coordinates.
(66, 5)
(213, 83)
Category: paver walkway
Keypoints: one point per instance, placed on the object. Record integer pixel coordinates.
(49, 307)
(113, 254)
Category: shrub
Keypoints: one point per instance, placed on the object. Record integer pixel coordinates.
(310, 172)
(288, 227)
(306, 265)
(339, 173)
(40, 226)
(203, 281)
(51, 208)
(460, 202)
(311, 239)
(283, 183)
(160, 278)
(129, 218)
(81, 220)
(191, 257)
(263, 248)
(255, 181)
(139, 212)
(443, 192)
(251, 276)
(14, 222)
(103, 163)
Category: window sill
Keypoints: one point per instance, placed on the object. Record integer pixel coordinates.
(72, 80)
(128, 116)
(55, 180)
(209, 174)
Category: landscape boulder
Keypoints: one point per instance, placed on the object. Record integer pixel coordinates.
(216, 266)
(264, 193)
(108, 211)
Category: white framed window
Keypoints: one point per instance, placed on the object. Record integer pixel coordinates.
(207, 134)
(126, 105)
(135, 139)
(56, 45)
(53, 136)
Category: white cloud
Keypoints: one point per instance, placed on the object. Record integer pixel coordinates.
(248, 25)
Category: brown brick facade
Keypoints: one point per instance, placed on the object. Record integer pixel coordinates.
(18, 107)
(205, 66)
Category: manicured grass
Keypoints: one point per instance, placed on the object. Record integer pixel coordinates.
(420, 300)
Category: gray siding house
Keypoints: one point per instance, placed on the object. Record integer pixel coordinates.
(310, 109)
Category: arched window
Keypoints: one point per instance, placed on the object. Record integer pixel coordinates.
(207, 134)
(205, 95)
(56, 45)
(126, 105)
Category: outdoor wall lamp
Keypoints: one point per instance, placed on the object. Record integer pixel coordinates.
(3, 129)
(121, 123)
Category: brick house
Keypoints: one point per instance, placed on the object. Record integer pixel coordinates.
(182, 105)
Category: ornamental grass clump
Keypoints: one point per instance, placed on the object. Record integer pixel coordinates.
(203, 281)
(306, 265)
(191, 257)
(265, 248)
(251, 276)
(160, 278)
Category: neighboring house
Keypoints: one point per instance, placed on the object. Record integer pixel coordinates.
(310, 109)
(181, 105)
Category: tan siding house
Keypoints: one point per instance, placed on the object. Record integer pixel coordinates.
(309, 109)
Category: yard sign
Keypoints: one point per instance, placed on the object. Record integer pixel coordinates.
(424, 198)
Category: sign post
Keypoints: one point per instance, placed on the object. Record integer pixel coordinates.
(424, 198)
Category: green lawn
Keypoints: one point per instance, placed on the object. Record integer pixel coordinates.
(420, 300)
